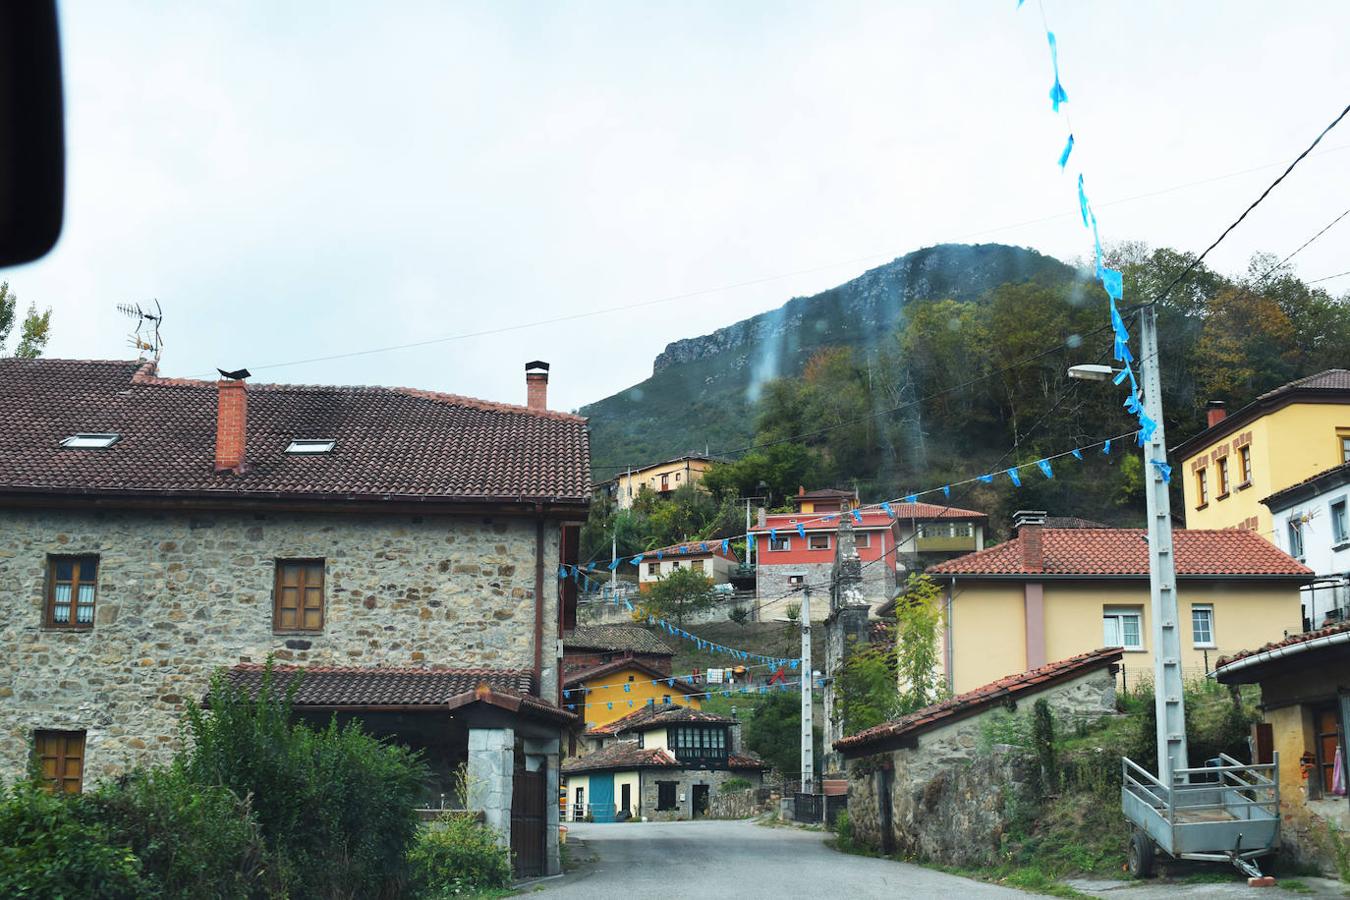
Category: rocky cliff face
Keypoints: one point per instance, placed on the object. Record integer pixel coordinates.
(703, 389)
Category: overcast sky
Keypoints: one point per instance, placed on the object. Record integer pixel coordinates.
(294, 180)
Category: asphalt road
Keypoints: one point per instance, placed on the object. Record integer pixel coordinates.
(741, 860)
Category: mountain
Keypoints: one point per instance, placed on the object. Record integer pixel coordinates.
(702, 390)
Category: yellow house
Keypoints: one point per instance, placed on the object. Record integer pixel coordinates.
(606, 693)
(661, 479)
(1281, 438)
(1053, 593)
(1305, 711)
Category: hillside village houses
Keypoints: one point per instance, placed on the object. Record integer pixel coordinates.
(1281, 438)
(397, 545)
(798, 548)
(706, 557)
(662, 479)
(1053, 593)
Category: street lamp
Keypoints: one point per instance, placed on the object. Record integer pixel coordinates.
(1162, 575)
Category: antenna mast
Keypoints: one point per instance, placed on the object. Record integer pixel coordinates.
(146, 337)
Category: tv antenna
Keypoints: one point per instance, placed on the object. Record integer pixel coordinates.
(146, 338)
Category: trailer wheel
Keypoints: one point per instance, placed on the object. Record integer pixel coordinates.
(1141, 855)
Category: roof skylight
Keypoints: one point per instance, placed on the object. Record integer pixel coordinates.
(311, 447)
(90, 440)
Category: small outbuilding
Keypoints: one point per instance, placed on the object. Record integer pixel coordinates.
(929, 785)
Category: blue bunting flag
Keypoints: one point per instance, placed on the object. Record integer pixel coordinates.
(1057, 95)
(947, 491)
(773, 535)
(1077, 454)
(801, 530)
(1106, 448)
(1045, 468)
(1016, 480)
(1163, 469)
(614, 564)
(911, 498)
(857, 516)
(886, 507)
(1064, 157)
(987, 479)
(1114, 283)
(1082, 201)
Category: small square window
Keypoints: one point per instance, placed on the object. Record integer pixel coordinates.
(653, 568)
(780, 543)
(863, 539)
(818, 542)
(696, 565)
(1123, 628)
(1340, 525)
(298, 598)
(90, 441)
(60, 756)
(72, 585)
(1202, 625)
(311, 447)
(796, 579)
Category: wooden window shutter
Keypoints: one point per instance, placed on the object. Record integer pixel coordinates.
(1263, 744)
(61, 758)
(298, 598)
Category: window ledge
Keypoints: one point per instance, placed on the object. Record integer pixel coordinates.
(297, 633)
(1135, 649)
(65, 628)
(1243, 486)
(1336, 548)
(1205, 646)
(1224, 496)
(1204, 505)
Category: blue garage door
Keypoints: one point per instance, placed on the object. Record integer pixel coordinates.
(602, 797)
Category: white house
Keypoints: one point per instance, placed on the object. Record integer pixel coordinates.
(1312, 524)
(701, 556)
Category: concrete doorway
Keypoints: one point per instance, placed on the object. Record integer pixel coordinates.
(700, 800)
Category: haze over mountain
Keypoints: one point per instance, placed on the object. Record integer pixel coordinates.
(702, 390)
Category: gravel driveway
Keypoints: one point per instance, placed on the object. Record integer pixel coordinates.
(738, 860)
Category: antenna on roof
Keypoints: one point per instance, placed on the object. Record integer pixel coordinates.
(146, 338)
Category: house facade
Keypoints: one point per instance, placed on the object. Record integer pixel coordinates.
(701, 556)
(397, 545)
(606, 693)
(662, 479)
(658, 764)
(1054, 593)
(588, 646)
(1312, 524)
(1283, 437)
(797, 549)
(1305, 710)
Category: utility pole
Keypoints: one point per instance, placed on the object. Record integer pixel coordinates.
(1162, 575)
(749, 541)
(808, 729)
(613, 555)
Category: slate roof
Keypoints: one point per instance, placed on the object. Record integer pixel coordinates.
(746, 760)
(656, 716)
(1326, 480)
(620, 638)
(392, 443)
(1124, 552)
(972, 702)
(1072, 522)
(581, 676)
(1293, 644)
(621, 755)
(1332, 385)
(369, 687)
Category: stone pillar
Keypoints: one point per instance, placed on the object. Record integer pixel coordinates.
(845, 629)
(492, 766)
(546, 752)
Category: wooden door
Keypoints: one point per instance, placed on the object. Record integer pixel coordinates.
(529, 802)
(1328, 739)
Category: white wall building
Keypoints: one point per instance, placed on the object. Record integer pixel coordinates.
(1312, 524)
(702, 556)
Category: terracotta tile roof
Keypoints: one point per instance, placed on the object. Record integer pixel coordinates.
(1329, 380)
(872, 517)
(1124, 551)
(971, 702)
(633, 638)
(746, 760)
(1297, 640)
(621, 755)
(349, 687)
(692, 548)
(581, 676)
(1072, 522)
(392, 443)
(656, 716)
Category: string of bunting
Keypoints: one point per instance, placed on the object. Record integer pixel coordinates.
(1112, 280)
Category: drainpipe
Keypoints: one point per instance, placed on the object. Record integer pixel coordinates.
(948, 653)
(539, 602)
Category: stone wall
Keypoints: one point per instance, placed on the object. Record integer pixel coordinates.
(600, 612)
(743, 804)
(951, 796)
(181, 595)
(685, 779)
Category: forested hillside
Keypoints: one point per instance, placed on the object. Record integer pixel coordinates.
(962, 384)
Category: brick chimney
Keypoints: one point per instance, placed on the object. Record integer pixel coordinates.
(1030, 526)
(1215, 412)
(536, 384)
(231, 425)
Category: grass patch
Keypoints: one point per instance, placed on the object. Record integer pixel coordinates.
(1295, 885)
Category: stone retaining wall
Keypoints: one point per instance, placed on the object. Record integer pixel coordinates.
(743, 804)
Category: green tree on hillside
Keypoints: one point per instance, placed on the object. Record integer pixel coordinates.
(677, 596)
(35, 329)
(774, 731)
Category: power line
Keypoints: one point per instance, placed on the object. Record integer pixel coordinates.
(1255, 203)
(1301, 247)
(1328, 277)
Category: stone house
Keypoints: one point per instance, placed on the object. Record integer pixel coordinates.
(925, 785)
(1305, 709)
(400, 546)
(658, 764)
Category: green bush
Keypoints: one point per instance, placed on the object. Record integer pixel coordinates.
(336, 806)
(731, 785)
(53, 846)
(192, 840)
(843, 828)
(457, 855)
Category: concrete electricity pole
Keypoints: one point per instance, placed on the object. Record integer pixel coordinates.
(1168, 701)
(1162, 571)
(808, 727)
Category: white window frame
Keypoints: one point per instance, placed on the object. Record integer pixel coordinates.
(91, 440)
(1294, 533)
(1118, 614)
(310, 446)
(1340, 526)
(810, 538)
(862, 539)
(796, 578)
(785, 543)
(1195, 640)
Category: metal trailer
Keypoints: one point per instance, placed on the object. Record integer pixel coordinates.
(1227, 812)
